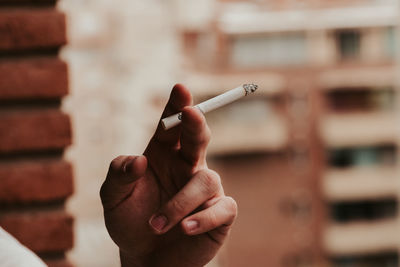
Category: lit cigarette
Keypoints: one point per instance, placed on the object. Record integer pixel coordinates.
(213, 103)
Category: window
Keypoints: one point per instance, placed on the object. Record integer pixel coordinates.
(275, 50)
(366, 210)
(384, 259)
(361, 99)
(362, 156)
(390, 42)
(348, 44)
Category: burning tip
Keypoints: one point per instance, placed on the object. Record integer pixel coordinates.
(250, 88)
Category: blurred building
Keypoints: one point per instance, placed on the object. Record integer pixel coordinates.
(312, 158)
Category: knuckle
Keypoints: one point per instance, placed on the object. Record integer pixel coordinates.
(102, 191)
(231, 207)
(176, 207)
(104, 194)
(210, 182)
(212, 220)
(207, 135)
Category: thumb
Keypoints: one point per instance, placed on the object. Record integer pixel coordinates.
(120, 180)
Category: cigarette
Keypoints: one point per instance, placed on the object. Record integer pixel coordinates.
(212, 103)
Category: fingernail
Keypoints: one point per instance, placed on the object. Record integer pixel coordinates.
(158, 222)
(126, 166)
(191, 225)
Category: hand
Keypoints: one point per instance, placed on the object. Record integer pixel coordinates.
(166, 208)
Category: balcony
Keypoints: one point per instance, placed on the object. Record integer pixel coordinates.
(232, 137)
(359, 76)
(361, 237)
(248, 18)
(360, 183)
(359, 129)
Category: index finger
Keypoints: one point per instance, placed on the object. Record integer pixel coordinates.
(179, 98)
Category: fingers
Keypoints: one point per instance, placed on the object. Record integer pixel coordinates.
(221, 214)
(179, 98)
(203, 186)
(195, 135)
(123, 172)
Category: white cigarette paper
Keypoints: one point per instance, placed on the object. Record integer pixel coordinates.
(212, 103)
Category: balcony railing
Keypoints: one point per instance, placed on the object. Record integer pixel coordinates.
(361, 238)
(360, 183)
(359, 129)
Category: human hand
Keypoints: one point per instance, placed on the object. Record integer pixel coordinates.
(166, 208)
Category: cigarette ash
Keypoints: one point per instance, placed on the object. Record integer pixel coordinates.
(250, 88)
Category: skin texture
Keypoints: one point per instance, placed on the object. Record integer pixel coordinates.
(166, 208)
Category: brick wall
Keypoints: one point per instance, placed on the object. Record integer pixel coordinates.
(35, 180)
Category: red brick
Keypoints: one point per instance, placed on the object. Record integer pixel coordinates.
(35, 181)
(22, 131)
(42, 232)
(29, 29)
(33, 78)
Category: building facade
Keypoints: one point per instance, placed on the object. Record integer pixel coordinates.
(312, 158)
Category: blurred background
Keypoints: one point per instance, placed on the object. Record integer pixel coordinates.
(312, 158)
